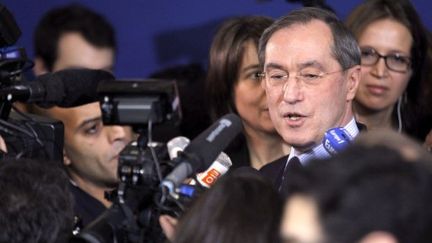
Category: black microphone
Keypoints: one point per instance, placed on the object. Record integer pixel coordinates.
(203, 150)
(65, 88)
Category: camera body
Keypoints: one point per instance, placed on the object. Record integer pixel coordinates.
(137, 102)
(44, 142)
(28, 136)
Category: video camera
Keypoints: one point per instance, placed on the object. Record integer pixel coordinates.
(151, 183)
(27, 136)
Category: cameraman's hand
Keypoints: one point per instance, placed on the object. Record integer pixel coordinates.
(168, 225)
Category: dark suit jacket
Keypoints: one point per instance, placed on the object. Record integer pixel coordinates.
(274, 170)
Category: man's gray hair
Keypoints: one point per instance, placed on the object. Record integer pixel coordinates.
(345, 48)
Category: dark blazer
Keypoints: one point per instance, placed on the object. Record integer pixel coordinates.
(274, 170)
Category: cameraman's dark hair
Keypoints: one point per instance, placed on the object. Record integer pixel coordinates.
(241, 207)
(35, 205)
(93, 27)
(367, 189)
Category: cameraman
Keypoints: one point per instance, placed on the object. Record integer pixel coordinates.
(76, 37)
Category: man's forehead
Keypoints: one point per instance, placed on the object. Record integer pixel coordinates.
(75, 116)
(315, 32)
(300, 46)
(76, 52)
(316, 26)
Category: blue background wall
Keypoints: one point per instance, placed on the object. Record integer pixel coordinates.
(155, 34)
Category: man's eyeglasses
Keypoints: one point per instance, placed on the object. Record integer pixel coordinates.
(278, 77)
(395, 62)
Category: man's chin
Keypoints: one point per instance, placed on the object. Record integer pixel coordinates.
(301, 145)
(111, 183)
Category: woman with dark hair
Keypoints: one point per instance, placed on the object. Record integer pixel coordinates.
(234, 85)
(394, 85)
(241, 207)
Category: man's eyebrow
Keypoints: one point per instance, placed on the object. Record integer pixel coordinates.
(87, 121)
(273, 65)
(312, 63)
(307, 64)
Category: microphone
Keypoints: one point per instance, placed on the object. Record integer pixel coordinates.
(176, 145)
(219, 167)
(203, 150)
(336, 139)
(205, 179)
(65, 88)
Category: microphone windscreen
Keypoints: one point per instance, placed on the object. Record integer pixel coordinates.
(52, 87)
(72, 87)
(219, 167)
(206, 147)
(203, 150)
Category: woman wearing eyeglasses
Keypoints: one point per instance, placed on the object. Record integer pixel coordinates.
(393, 88)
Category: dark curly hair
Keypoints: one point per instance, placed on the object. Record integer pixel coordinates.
(35, 205)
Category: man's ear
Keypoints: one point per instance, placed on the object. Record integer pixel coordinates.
(379, 237)
(354, 77)
(39, 67)
(66, 159)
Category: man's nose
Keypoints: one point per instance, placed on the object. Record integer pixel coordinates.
(119, 133)
(292, 91)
